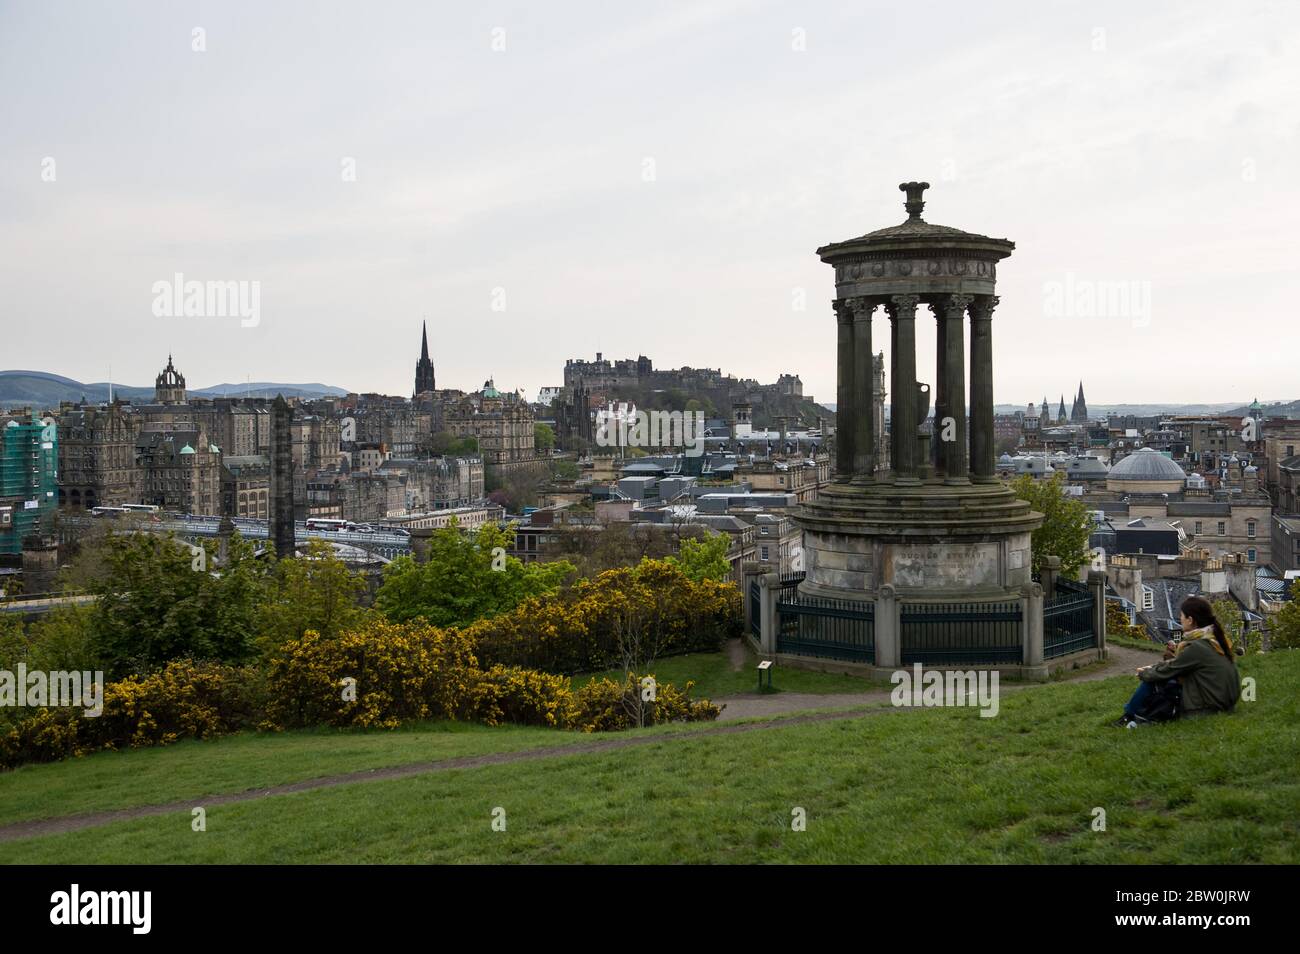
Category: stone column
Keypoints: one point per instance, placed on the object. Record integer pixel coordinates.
(864, 445)
(281, 526)
(769, 588)
(1049, 572)
(844, 411)
(888, 651)
(953, 452)
(1097, 587)
(1031, 607)
(940, 384)
(903, 444)
(981, 390)
(749, 571)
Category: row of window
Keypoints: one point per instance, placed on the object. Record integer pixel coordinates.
(1223, 529)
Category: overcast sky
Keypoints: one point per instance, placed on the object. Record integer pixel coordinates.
(644, 178)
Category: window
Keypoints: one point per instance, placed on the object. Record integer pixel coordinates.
(1250, 555)
(1250, 529)
(763, 554)
(1198, 527)
(1223, 529)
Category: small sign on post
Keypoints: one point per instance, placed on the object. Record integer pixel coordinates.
(765, 667)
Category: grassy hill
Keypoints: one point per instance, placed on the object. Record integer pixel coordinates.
(883, 785)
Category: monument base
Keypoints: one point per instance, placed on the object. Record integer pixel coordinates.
(929, 540)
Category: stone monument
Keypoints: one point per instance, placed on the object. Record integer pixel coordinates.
(282, 534)
(937, 524)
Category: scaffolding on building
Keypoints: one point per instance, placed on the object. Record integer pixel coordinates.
(29, 457)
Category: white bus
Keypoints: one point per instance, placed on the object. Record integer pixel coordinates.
(108, 511)
(140, 508)
(326, 523)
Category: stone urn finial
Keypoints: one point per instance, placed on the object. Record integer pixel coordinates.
(914, 203)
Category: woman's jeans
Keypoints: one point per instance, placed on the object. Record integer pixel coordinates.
(1141, 696)
(1139, 700)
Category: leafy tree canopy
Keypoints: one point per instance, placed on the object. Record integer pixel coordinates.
(466, 577)
(1066, 524)
(704, 558)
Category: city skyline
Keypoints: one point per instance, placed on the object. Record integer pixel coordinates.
(478, 179)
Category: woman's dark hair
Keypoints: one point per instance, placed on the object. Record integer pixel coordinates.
(1200, 612)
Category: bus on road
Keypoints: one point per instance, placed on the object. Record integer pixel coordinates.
(328, 524)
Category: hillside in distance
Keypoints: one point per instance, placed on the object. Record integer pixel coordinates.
(43, 389)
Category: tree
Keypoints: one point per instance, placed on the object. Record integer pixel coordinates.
(620, 543)
(1228, 613)
(1284, 628)
(704, 559)
(1066, 524)
(565, 470)
(447, 443)
(466, 577)
(314, 592)
(543, 437)
(157, 601)
(1117, 623)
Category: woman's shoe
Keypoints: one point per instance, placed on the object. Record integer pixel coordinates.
(1121, 722)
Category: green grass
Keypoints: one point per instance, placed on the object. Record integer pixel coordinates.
(190, 769)
(1144, 644)
(714, 677)
(937, 786)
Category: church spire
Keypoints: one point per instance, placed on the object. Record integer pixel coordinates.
(424, 367)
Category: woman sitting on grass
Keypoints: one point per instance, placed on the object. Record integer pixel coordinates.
(1199, 672)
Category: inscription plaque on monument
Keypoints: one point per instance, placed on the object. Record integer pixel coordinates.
(944, 564)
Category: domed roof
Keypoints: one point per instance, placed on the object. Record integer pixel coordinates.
(916, 230)
(1146, 463)
(187, 449)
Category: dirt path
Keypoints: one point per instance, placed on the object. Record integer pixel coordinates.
(843, 706)
(1120, 660)
(66, 823)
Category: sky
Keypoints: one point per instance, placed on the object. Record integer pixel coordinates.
(541, 181)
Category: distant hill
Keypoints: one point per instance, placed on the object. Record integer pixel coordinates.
(42, 389)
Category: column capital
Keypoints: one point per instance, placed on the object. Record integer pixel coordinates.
(861, 306)
(903, 306)
(843, 310)
(982, 308)
(954, 303)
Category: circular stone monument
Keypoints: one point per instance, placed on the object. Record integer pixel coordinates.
(938, 524)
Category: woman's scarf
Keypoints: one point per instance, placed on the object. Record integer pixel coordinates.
(1205, 632)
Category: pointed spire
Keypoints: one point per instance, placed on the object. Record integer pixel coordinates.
(424, 340)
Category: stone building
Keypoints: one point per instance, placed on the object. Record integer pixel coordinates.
(1285, 552)
(169, 386)
(97, 466)
(179, 469)
(315, 441)
(246, 486)
(501, 423)
(241, 426)
(393, 422)
(1146, 485)
(1287, 491)
(1279, 441)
